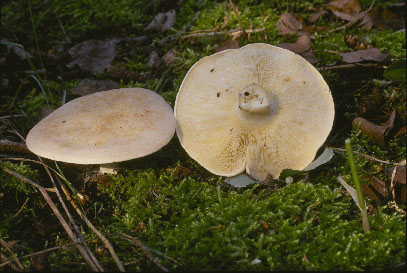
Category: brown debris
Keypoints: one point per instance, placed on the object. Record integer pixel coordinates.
(93, 56)
(371, 54)
(370, 102)
(315, 16)
(117, 71)
(357, 43)
(400, 175)
(375, 188)
(345, 9)
(154, 60)
(300, 46)
(378, 132)
(385, 19)
(162, 21)
(228, 44)
(89, 86)
(288, 24)
(170, 57)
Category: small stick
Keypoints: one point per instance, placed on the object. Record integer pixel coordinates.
(105, 241)
(7, 260)
(365, 156)
(5, 245)
(73, 222)
(7, 146)
(143, 249)
(236, 11)
(57, 214)
(41, 252)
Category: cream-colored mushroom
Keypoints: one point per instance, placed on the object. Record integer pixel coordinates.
(259, 109)
(104, 127)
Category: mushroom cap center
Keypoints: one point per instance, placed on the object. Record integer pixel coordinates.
(254, 99)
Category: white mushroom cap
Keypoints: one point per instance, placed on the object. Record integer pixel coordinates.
(259, 108)
(104, 127)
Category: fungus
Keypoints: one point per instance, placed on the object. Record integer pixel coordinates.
(259, 109)
(104, 127)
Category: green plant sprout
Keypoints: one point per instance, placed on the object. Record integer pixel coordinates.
(356, 181)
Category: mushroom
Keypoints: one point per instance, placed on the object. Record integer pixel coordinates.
(104, 127)
(259, 109)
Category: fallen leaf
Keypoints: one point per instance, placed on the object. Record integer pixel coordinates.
(288, 24)
(322, 159)
(228, 44)
(351, 191)
(301, 45)
(378, 132)
(162, 21)
(385, 19)
(326, 155)
(400, 175)
(93, 55)
(375, 188)
(88, 86)
(310, 57)
(18, 50)
(371, 54)
(154, 60)
(370, 102)
(170, 57)
(345, 9)
(117, 71)
(315, 16)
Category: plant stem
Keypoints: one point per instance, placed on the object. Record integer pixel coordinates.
(358, 188)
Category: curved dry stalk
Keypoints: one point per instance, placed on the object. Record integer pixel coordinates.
(365, 156)
(8, 261)
(143, 249)
(57, 214)
(105, 241)
(73, 222)
(5, 245)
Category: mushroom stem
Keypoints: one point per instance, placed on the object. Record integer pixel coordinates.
(254, 99)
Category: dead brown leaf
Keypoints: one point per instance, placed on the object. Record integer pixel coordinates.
(170, 57)
(288, 24)
(386, 19)
(345, 9)
(371, 54)
(375, 188)
(310, 57)
(162, 21)
(88, 86)
(300, 46)
(400, 175)
(315, 16)
(154, 60)
(378, 132)
(228, 44)
(93, 55)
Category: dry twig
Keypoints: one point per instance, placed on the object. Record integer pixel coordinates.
(57, 214)
(105, 241)
(143, 249)
(365, 156)
(73, 222)
(5, 245)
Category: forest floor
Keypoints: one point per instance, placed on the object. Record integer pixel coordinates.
(165, 211)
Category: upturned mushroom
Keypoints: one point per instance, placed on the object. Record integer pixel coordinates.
(104, 127)
(259, 109)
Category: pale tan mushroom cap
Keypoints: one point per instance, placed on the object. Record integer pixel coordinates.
(104, 127)
(226, 139)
